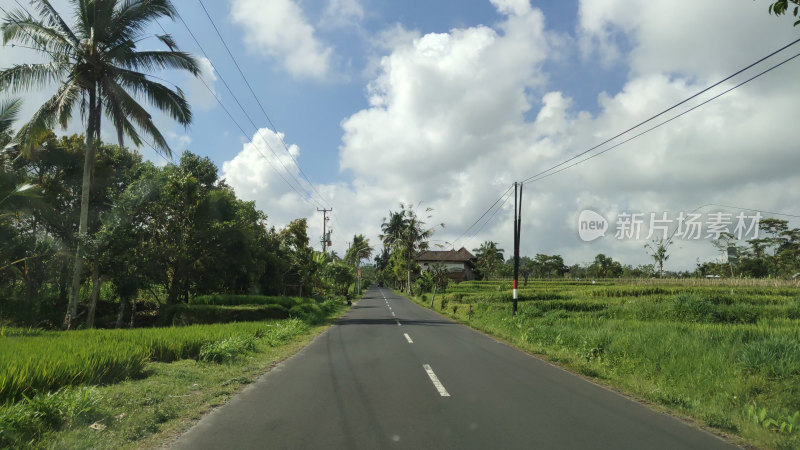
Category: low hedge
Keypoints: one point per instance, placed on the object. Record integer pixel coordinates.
(236, 300)
(184, 314)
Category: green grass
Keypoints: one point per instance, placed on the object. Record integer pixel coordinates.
(149, 412)
(709, 351)
(51, 360)
(132, 387)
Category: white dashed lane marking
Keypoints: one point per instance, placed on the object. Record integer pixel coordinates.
(435, 380)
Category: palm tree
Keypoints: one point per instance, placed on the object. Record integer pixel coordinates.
(414, 238)
(359, 250)
(98, 69)
(9, 110)
(393, 227)
(489, 257)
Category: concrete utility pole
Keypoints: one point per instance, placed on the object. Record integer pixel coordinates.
(325, 237)
(517, 228)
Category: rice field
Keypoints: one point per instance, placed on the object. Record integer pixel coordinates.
(43, 361)
(725, 354)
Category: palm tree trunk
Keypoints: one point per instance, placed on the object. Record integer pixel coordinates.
(92, 130)
(133, 311)
(124, 302)
(97, 282)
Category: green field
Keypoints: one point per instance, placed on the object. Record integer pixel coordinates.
(54, 384)
(724, 354)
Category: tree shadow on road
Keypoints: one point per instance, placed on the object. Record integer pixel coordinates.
(393, 322)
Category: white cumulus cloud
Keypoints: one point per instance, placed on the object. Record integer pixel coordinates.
(280, 29)
(455, 117)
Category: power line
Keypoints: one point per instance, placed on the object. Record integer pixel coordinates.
(304, 195)
(216, 97)
(236, 99)
(545, 174)
(263, 110)
(538, 178)
(666, 110)
(490, 219)
(750, 209)
(503, 195)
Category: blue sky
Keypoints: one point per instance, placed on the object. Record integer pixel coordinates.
(309, 111)
(444, 104)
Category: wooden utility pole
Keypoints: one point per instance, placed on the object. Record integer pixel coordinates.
(325, 236)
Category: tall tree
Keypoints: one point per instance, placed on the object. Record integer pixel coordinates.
(295, 246)
(414, 238)
(489, 258)
(406, 234)
(392, 228)
(99, 69)
(358, 251)
(658, 249)
(604, 267)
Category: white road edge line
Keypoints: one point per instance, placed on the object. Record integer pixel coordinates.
(408, 338)
(398, 322)
(436, 383)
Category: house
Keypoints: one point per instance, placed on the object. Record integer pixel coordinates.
(460, 264)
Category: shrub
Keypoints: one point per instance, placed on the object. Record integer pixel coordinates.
(227, 349)
(774, 356)
(236, 300)
(329, 306)
(308, 312)
(738, 313)
(692, 308)
(32, 417)
(184, 314)
(282, 332)
(793, 310)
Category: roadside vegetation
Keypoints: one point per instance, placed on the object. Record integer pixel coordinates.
(130, 388)
(133, 296)
(725, 353)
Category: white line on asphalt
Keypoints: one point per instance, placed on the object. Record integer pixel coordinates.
(436, 383)
(393, 314)
(398, 322)
(408, 338)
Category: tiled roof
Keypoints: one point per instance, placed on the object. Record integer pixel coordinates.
(461, 254)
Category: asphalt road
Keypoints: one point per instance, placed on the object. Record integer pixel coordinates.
(391, 374)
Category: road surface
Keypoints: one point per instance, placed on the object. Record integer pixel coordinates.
(391, 374)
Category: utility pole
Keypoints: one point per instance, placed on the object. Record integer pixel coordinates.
(517, 229)
(325, 236)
